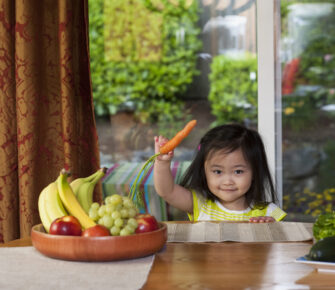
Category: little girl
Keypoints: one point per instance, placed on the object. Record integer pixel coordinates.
(229, 178)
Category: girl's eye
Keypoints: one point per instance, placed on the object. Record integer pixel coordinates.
(217, 171)
(239, 171)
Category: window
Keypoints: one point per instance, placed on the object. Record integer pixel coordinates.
(156, 64)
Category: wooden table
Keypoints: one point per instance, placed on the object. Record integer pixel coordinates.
(230, 265)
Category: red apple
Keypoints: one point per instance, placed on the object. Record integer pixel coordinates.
(146, 223)
(96, 231)
(66, 225)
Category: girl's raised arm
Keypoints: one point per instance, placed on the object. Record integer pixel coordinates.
(165, 186)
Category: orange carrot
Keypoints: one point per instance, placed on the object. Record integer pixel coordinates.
(175, 141)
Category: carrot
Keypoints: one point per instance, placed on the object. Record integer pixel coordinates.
(169, 146)
(175, 141)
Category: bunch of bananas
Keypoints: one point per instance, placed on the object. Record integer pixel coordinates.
(61, 198)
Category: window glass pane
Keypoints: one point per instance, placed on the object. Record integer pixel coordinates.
(156, 64)
(308, 107)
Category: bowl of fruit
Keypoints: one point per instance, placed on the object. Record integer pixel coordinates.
(75, 228)
(98, 248)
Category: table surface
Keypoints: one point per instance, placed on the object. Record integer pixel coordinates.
(230, 265)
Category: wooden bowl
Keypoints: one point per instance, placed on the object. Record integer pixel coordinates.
(76, 248)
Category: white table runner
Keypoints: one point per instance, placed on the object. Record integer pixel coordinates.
(240, 232)
(26, 268)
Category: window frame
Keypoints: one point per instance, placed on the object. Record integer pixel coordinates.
(269, 86)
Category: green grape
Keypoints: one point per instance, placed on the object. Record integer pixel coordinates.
(115, 231)
(118, 222)
(116, 199)
(132, 212)
(107, 200)
(125, 232)
(116, 214)
(119, 206)
(127, 202)
(102, 210)
(95, 206)
(130, 229)
(108, 221)
(93, 214)
(133, 222)
(101, 221)
(110, 208)
(124, 213)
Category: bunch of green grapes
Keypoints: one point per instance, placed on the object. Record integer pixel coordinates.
(117, 214)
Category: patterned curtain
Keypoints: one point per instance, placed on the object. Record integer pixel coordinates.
(46, 110)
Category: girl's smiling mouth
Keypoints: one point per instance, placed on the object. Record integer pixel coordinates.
(229, 189)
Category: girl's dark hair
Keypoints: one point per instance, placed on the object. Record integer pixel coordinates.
(229, 138)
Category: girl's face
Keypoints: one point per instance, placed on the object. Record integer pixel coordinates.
(229, 177)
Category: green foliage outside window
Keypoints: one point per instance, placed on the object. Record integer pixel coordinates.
(315, 79)
(309, 202)
(318, 58)
(233, 89)
(142, 59)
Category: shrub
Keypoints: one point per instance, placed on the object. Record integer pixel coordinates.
(233, 88)
(309, 202)
(143, 57)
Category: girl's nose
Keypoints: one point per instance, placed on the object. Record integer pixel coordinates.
(227, 179)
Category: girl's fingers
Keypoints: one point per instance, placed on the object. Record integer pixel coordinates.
(162, 141)
(156, 144)
(262, 219)
(159, 142)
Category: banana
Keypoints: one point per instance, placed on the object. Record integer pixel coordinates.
(70, 201)
(50, 206)
(53, 203)
(86, 189)
(75, 184)
(46, 221)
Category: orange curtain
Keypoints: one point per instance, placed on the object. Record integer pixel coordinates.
(46, 111)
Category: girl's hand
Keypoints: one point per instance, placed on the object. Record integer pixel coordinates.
(262, 219)
(159, 142)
